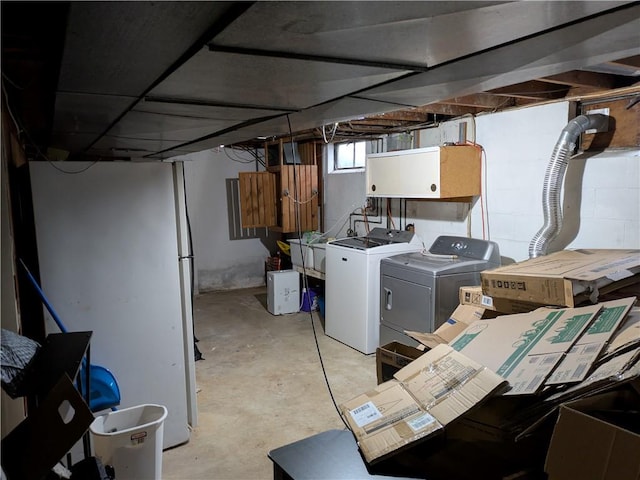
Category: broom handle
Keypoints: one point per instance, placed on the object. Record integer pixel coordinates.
(54, 315)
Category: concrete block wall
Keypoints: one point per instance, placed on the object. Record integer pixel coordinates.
(601, 191)
(220, 263)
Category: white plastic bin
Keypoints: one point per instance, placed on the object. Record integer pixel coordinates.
(297, 255)
(131, 441)
(319, 256)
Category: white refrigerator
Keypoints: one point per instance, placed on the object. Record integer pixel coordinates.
(113, 253)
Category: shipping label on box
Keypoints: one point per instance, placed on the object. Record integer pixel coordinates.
(557, 278)
(524, 348)
(576, 364)
(473, 296)
(419, 402)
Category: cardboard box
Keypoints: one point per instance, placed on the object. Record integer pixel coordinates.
(392, 357)
(627, 336)
(524, 348)
(473, 296)
(596, 438)
(563, 278)
(419, 402)
(615, 371)
(575, 366)
(460, 319)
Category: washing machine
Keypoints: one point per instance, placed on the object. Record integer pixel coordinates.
(352, 284)
(419, 291)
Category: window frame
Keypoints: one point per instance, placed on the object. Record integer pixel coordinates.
(336, 147)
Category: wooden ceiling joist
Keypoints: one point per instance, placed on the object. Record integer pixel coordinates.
(581, 79)
(450, 110)
(533, 89)
(414, 115)
(481, 100)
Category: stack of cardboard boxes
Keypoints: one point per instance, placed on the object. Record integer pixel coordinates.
(537, 372)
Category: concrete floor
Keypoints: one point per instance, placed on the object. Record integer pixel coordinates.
(260, 386)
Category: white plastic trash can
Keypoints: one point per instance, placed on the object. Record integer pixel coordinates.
(130, 440)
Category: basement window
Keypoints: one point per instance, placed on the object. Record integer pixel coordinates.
(350, 155)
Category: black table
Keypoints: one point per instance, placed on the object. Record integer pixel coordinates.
(328, 455)
(31, 449)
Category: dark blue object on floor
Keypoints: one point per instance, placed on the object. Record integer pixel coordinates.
(104, 392)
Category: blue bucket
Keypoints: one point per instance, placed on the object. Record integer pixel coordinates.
(308, 300)
(320, 301)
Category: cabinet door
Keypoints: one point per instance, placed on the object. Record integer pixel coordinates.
(451, 172)
(257, 199)
(408, 173)
(299, 197)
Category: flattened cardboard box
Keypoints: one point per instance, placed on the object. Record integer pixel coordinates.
(586, 447)
(560, 277)
(460, 319)
(419, 402)
(615, 371)
(627, 336)
(575, 366)
(524, 348)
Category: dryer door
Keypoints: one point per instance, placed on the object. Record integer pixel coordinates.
(405, 305)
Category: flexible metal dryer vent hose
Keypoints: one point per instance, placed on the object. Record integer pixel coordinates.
(554, 177)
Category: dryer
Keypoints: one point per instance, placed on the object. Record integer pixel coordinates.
(352, 305)
(419, 291)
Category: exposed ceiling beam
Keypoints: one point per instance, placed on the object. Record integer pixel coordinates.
(415, 115)
(451, 110)
(532, 89)
(581, 78)
(481, 100)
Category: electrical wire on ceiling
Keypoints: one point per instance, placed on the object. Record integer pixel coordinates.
(236, 159)
(324, 133)
(70, 172)
(254, 152)
(23, 132)
(19, 129)
(13, 84)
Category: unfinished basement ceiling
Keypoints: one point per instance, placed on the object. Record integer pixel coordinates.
(159, 79)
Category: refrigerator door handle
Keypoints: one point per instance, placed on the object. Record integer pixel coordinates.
(388, 299)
